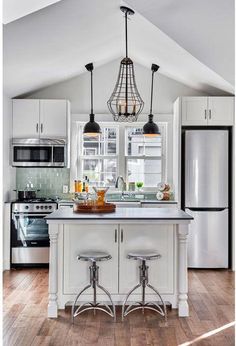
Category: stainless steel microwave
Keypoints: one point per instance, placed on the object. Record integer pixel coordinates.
(38, 153)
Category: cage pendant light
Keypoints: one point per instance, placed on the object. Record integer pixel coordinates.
(125, 102)
(150, 129)
(91, 129)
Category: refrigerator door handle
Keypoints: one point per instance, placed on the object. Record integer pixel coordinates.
(207, 209)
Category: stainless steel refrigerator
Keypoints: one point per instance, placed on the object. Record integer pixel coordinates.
(207, 197)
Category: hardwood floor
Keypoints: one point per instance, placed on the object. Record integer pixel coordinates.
(211, 321)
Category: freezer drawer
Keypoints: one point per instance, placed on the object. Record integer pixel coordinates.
(208, 239)
(206, 168)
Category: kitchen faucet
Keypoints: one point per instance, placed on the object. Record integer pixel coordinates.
(120, 178)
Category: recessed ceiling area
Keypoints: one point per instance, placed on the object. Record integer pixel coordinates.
(54, 43)
(204, 28)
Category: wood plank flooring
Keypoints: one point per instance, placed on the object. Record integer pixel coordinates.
(211, 321)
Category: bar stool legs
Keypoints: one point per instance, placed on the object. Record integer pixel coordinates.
(143, 283)
(94, 283)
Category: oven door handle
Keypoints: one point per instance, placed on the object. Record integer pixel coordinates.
(28, 214)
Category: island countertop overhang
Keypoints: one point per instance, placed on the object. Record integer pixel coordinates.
(166, 215)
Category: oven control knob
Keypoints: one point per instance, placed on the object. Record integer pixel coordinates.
(41, 207)
(50, 207)
(46, 207)
(37, 207)
(26, 207)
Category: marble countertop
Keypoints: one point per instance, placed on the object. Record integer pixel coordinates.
(122, 214)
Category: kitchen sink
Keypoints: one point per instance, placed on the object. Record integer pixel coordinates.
(126, 203)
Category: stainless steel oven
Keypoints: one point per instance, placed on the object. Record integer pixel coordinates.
(29, 233)
(39, 153)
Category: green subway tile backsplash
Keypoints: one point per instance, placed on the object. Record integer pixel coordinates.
(49, 181)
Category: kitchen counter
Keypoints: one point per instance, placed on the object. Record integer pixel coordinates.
(123, 214)
(163, 230)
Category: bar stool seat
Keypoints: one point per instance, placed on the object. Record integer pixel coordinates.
(143, 255)
(93, 257)
(159, 307)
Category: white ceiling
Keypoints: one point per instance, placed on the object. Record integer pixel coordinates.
(15, 9)
(205, 28)
(54, 44)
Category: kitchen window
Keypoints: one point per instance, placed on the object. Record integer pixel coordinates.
(98, 156)
(121, 149)
(145, 156)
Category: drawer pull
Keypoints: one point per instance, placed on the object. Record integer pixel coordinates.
(115, 235)
(122, 236)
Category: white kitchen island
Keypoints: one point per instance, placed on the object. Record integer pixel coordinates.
(164, 230)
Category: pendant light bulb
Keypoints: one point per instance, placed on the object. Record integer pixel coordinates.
(150, 129)
(125, 102)
(91, 129)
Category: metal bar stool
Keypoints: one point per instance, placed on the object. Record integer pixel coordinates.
(93, 257)
(143, 282)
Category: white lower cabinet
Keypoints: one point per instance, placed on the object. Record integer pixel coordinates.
(81, 238)
(147, 237)
(119, 274)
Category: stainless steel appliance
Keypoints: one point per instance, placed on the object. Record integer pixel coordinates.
(207, 196)
(39, 153)
(29, 232)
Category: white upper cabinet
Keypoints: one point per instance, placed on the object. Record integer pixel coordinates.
(40, 118)
(208, 111)
(194, 111)
(25, 118)
(221, 111)
(53, 119)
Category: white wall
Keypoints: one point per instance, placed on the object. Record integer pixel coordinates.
(77, 89)
(8, 171)
(8, 179)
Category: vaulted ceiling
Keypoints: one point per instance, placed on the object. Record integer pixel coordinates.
(54, 43)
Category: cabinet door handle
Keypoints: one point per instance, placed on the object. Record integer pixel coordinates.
(205, 113)
(121, 236)
(209, 113)
(115, 235)
(41, 126)
(37, 127)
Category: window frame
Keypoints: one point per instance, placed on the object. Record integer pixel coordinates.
(163, 156)
(81, 157)
(121, 156)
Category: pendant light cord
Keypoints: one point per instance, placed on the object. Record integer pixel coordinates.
(126, 34)
(151, 92)
(126, 52)
(91, 92)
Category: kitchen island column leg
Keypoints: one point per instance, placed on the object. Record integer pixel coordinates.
(183, 308)
(53, 272)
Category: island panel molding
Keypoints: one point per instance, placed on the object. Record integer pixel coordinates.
(166, 231)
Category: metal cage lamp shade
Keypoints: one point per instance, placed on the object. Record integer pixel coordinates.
(150, 129)
(91, 129)
(125, 102)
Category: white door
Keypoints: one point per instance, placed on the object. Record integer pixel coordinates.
(194, 111)
(158, 238)
(221, 111)
(81, 238)
(53, 118)
(25, 118)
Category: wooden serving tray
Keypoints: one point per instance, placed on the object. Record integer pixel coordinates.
(82, 208)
